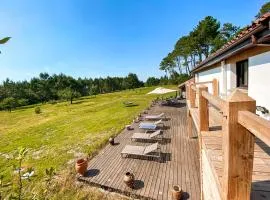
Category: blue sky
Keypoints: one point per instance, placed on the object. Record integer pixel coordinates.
(97, 38)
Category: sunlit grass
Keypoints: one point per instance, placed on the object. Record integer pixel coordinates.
(64, 131)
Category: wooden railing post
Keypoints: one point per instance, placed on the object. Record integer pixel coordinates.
(187, 91)
(189, 124)
(203, 110)
(238, 149)
(192, 95)
(215, 87)
(203, 125)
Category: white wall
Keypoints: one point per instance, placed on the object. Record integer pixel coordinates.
(209, 75)
(259, 79)
(223, 79)
(231, 77)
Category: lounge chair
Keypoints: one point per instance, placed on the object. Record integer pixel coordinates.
(147, 136)
(151, 126)
(150, 151)
(129, 103)
(153, 117)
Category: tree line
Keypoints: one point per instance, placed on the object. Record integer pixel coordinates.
(204, 39)
(207, 37)
(52, 88)
(46, 88)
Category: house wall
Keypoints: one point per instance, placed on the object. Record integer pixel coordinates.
(209, 75)
(225, 72)
(259, 79)
(231, 78)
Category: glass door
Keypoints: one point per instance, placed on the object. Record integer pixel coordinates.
(242, 73)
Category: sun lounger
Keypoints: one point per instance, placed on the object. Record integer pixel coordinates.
(128, 103)
(153, 117)
(150, 151)
(151, 126)
(147, 136)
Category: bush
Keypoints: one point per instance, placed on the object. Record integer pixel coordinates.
(22, 102)
(37, 110)
(52, 102)
(9, 103)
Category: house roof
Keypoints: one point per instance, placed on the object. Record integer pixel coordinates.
(241, 42)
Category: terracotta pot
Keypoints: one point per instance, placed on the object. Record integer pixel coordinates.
(176, 192)
(111, 140)
(128, 127)
(81, 166)
(129, 179)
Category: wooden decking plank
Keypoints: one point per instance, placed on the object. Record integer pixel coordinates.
(157, 177)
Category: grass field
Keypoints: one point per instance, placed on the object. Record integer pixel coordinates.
(64, 131)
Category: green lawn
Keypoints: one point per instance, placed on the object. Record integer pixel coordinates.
(64, 131)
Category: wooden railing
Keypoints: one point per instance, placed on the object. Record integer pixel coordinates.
(256, 125)
(237, 141)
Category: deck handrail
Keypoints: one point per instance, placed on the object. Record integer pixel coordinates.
(256, 125)
(214, 100)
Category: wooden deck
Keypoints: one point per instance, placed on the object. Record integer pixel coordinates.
(154, 179)
(212, 142)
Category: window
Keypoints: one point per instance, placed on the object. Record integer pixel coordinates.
(242, 73)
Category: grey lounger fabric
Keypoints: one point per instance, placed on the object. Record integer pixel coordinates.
(153, 117)
(147, 136)
(142, 151)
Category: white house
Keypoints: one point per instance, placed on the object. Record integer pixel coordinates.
(242, 63)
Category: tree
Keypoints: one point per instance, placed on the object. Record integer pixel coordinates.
(132, 81)
(264, 9)
(191, 49)
(68, 94)
(9, 103)
(226, 33)
(204, 34)
(185, 48)
(152, 81)
(167, 64)
(47, 87)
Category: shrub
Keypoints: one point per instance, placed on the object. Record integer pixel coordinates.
(9, 103)
(52, 102)
(37, 110)
(22, 102)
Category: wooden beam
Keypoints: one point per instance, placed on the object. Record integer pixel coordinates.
(189, 123)
(203, 125)
(203, 110)
(253, 39)
(192, 95)
(216, 101)
(205, 82)
(187, 91)
(215, 87)
(257, 125)
(238, 149)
